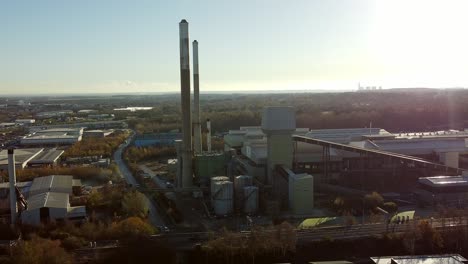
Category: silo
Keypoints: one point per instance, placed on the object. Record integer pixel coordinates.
(222, 198)
(215, 180)
(250, 199)
(240, 182)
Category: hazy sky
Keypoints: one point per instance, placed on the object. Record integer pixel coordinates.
(132, 46)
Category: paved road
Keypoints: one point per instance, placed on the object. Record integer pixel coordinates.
(155, 218)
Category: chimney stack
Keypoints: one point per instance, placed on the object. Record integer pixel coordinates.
(12, 180)
(208, 135)
(196, 101)
(187, 177)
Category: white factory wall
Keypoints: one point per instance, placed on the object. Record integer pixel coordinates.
(301, 194)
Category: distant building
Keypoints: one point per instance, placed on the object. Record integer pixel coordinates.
(101, 116)
(25, 121)
(55, 136)
(97, 133)
(445, 190)
(52, 114)
(157, 139)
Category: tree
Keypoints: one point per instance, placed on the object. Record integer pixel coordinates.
(132, 227)
(390, 207)
(39, 250)
(134, 204)
(373, 200)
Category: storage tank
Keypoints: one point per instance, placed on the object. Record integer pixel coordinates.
(222, 197)
(215, 180)
(240, 182)
(250, 199)
(301, 194)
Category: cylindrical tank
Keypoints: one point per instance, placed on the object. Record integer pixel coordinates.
(215, 180)
(222, 199)
(250, 199)
(240, 182)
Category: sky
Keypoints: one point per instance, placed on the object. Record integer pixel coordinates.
(88, 46)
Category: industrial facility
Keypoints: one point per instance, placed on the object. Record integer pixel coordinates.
(277, 168)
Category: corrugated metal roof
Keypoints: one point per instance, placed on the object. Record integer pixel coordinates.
(48, 199)
(52, 183)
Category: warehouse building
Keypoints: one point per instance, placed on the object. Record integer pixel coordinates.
(49, 199)
(22, 157)
(444, 190)
(48, 206)
(98, 133)
(54, 183)
(48, 158)
(31, 157)
(55, 136)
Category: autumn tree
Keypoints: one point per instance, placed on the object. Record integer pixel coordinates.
(39, 250)
(132, 227)
(134, 204)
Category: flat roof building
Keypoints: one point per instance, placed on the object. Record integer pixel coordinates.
(55, 136)
(22, 157)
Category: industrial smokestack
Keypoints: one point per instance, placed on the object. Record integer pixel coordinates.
(208, 135)
(12, 179)
(196, 101)
(185, 104)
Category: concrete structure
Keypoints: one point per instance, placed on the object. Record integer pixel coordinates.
(178, 146)
(55, 136)
(208, 135)
(278, 123)
(301, 194)
(187, 175)
(197, 144)
(250, 200)
(208, 165)
(12, 181)
(240, 182)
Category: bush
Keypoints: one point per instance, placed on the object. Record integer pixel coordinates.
(72, 243)
(390, 207)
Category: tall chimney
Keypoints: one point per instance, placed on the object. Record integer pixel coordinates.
(196, 101)
(185, 104)
(208, 135)
(12, 180)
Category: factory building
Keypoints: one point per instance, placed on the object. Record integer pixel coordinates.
(97, 133)
(31, 157)
(22, 157)
(156, 139)
(48, 199)
(54, 136)
(444, 190)
(47, 206)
